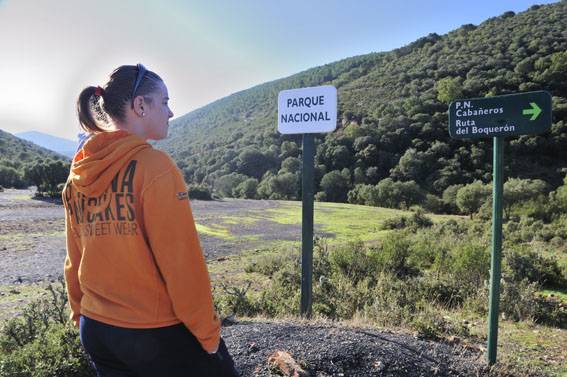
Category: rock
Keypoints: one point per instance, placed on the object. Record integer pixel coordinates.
(283, 362)
(454, 339)
(253, 348)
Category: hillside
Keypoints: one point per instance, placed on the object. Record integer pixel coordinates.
(392, 116)
(53, 143)
(16, 154)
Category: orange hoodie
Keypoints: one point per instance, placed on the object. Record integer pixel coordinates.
(133, 253)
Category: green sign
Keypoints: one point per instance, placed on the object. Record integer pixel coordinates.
(507, 115)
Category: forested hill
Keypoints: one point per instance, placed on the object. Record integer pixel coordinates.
(392, 116)
(17, 154)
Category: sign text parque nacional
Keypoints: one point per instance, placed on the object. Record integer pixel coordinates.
(307, 110)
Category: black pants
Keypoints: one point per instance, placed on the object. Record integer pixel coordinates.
(167, 351)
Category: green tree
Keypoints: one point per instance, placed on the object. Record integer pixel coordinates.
(291, 165)
(395, 194)
(247, 189)
(10, 177)
(449, 89)
(472, 196)
(227, 183)
(449, 197)
(335, 185)
(518, 190)
(47, 176)
(253, 163)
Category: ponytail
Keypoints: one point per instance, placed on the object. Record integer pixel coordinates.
(86, 103)
(97, 106)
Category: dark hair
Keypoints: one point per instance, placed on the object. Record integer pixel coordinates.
(117, 92)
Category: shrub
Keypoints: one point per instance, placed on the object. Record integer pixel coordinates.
(430, 324)
(470, 263)
(246, 189)
(472, 196)
(200, 192)
(10, 177)
(235, 300)
(434, 204)
(352, 261)
(518, 300)
(522, 263)
(414, 222)
(57, 352)
(47, 175)
(393, 194)
(41, 342)
(393, 255)
(268, 264)
(225, 184)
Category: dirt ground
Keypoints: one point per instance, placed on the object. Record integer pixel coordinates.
(32, 237)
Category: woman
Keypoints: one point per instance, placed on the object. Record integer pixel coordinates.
(136, 278)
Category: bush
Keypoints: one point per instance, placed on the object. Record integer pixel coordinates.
(472, 196)
(434, 204)
(41, 342)
(268, 264)
(414, 222)
(522, 263)
(392, 194)
(235, 301)
(393, 256)
(518, 300)
(47, 176)
(10, 177)
(57, 352)
(430, 324)
(225, 184)
(200, 192)
(246, 189)
(352, 261)
(470, 264)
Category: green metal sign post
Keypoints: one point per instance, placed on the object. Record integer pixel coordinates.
(307, 225)
(498, 117)
(496, 257)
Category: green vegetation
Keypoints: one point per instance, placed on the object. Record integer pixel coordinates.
(41, 342)
(432, 279)
(23, 164)
(392, 148)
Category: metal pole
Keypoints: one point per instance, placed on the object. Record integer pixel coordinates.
(307, 225)
(496, 257)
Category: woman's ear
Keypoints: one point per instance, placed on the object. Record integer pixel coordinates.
(139, 105)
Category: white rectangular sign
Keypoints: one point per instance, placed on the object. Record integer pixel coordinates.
(307, 110)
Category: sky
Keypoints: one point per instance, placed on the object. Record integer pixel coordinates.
(203, 49)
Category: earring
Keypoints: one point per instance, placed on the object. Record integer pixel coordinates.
(143, 114)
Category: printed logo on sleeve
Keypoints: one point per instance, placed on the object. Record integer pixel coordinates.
(182, 195)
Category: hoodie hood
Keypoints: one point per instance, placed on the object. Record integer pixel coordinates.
(101, 157)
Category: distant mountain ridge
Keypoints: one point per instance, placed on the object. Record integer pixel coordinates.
(392, 115)
(57, 144)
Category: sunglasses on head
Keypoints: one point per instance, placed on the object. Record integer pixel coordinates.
(141, 72)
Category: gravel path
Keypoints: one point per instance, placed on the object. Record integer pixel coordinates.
(328, 350)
